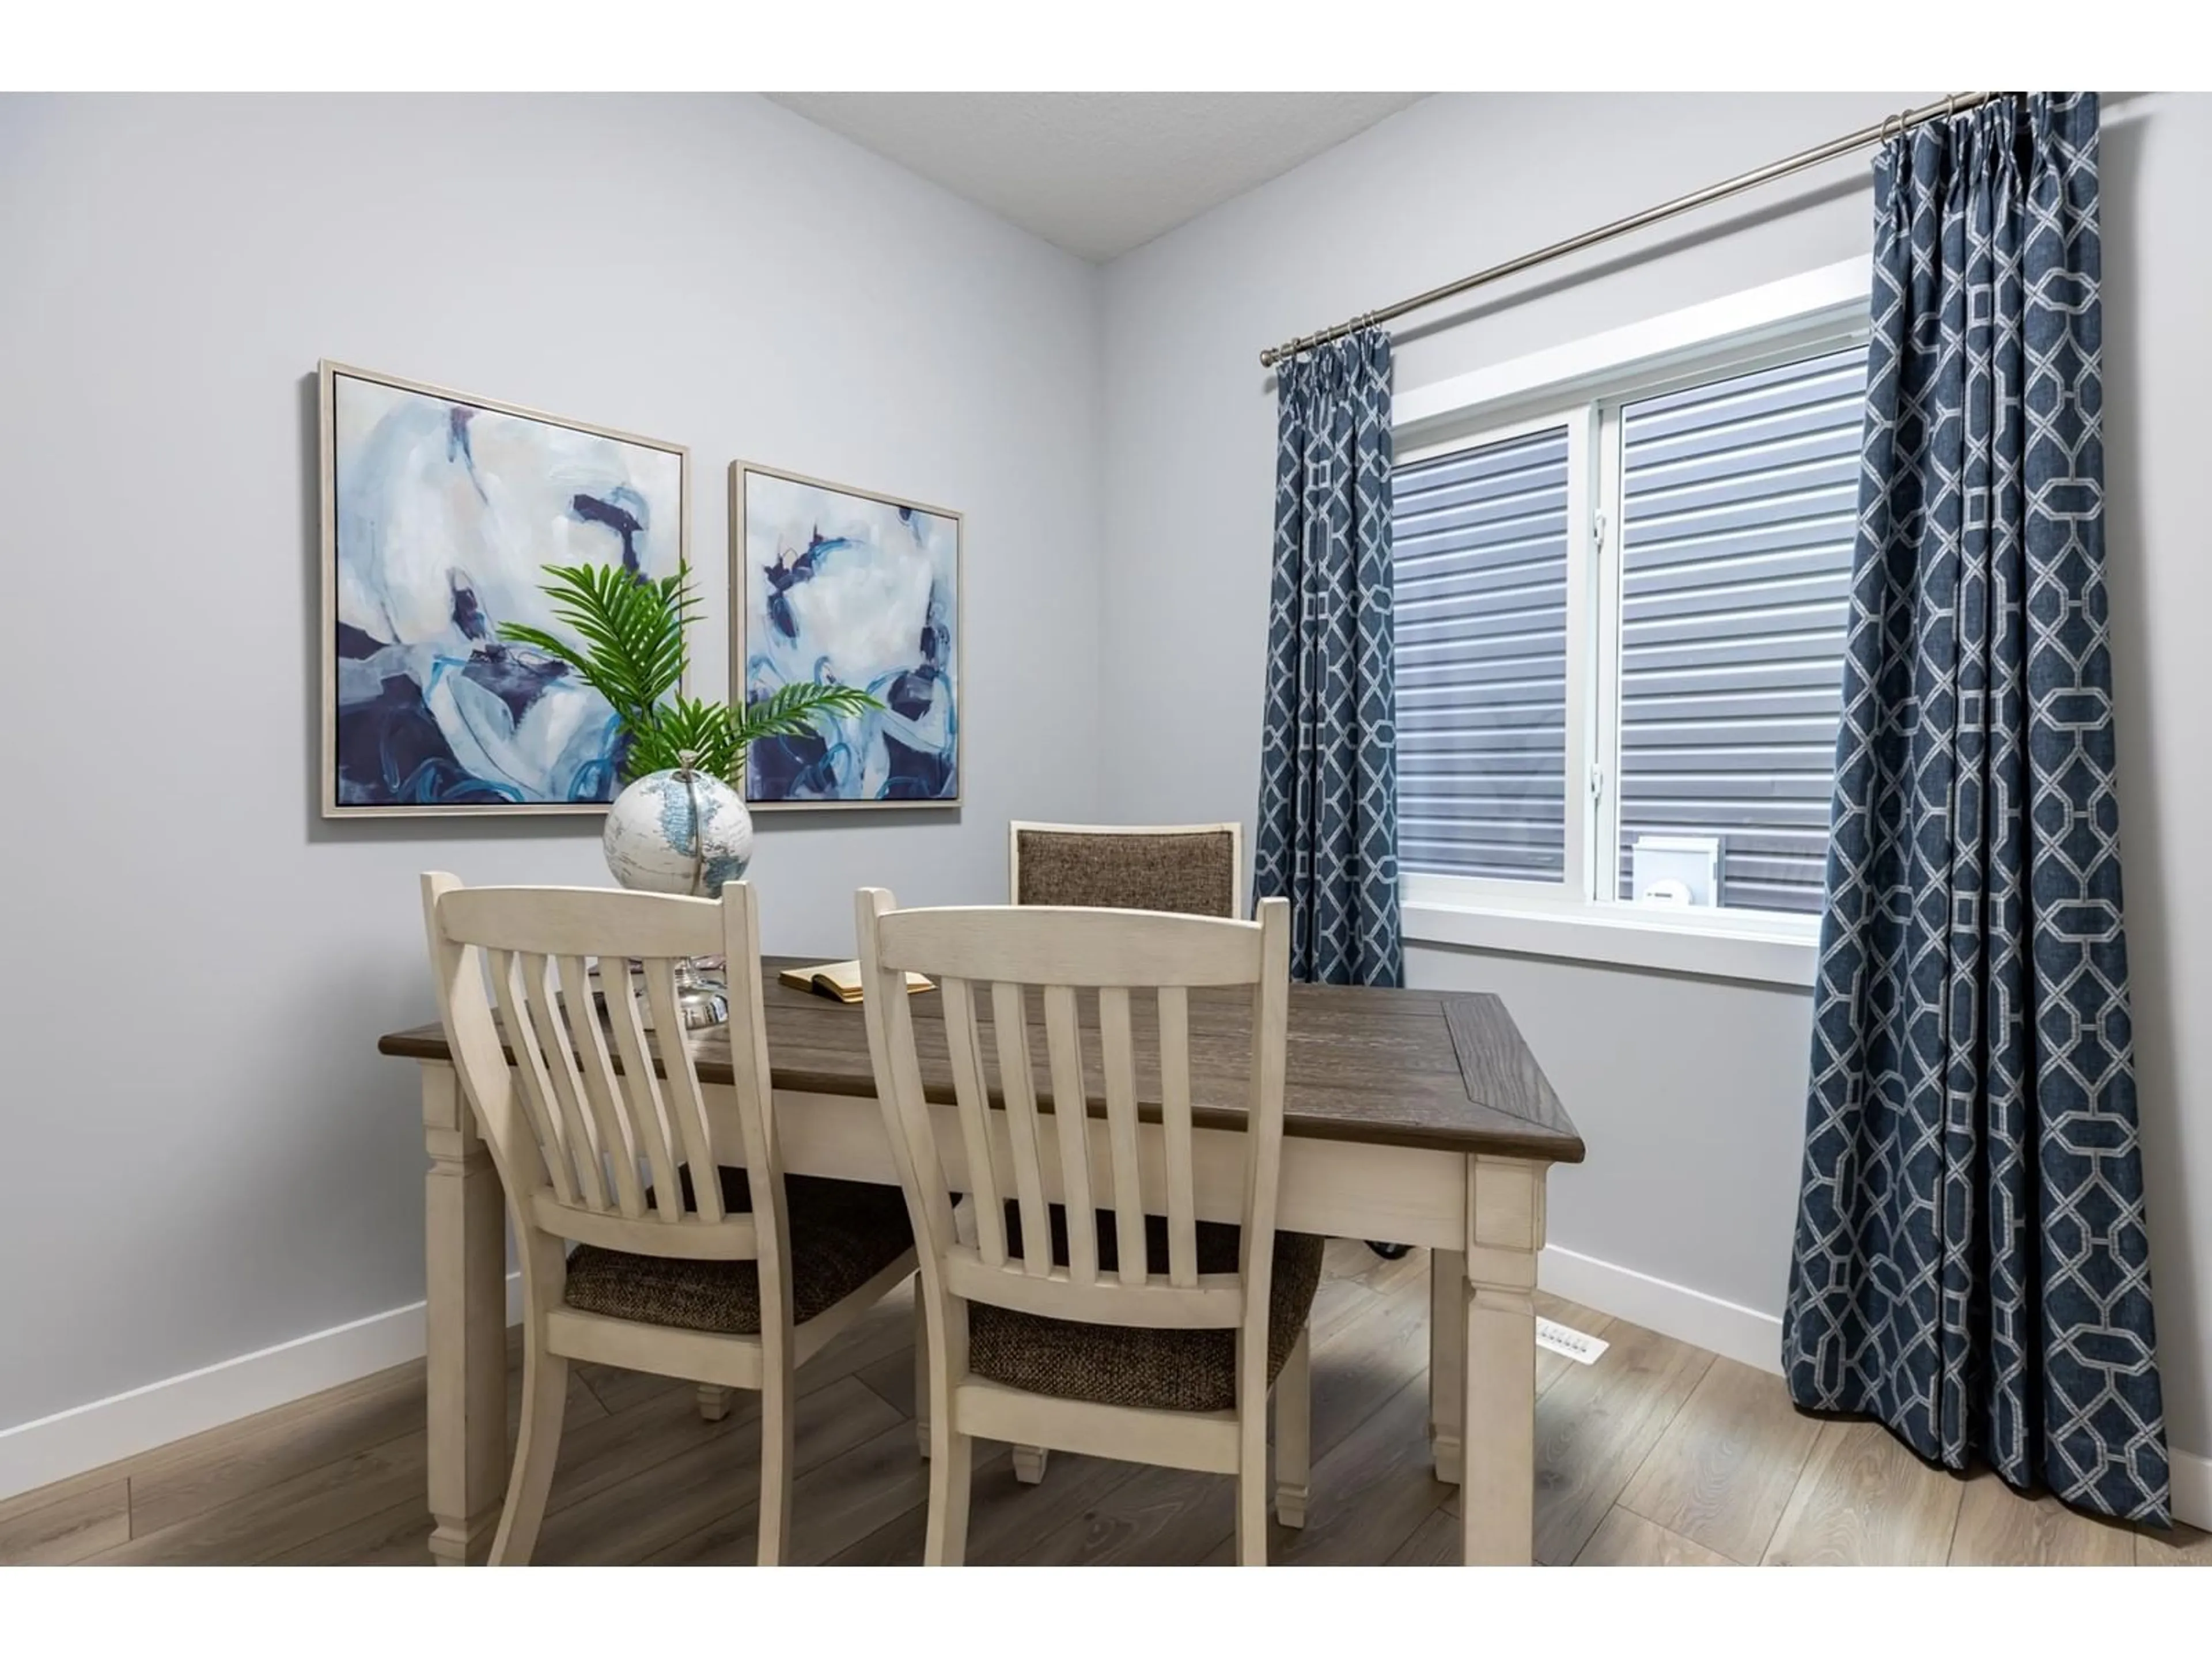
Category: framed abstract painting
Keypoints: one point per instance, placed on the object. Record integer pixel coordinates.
(847, 586)
(440, 513)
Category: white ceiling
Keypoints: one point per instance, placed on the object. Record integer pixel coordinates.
(1097, 172)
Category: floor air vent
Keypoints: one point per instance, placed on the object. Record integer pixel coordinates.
(1576, 1345)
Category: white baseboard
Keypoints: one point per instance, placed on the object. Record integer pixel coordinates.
(1741, 1333)
(1754, 1338)
(51, 1449)
(2192, 1488)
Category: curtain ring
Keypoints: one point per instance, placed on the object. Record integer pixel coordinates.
(1950, 106)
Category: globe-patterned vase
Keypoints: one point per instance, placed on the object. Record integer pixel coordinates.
(679, 831)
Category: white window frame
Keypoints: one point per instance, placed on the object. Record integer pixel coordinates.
(1578, 419)
(1582, 386)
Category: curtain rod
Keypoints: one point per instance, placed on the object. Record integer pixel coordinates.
(1956, 103)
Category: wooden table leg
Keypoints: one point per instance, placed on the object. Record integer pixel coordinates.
(1498, 1492)
(465, 1334)
(1447, 1358)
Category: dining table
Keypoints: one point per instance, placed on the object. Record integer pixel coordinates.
(1411, 1117)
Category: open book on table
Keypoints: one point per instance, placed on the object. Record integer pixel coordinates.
(840, 980)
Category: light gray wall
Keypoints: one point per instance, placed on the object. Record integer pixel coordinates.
(1690, 1092)
(206, 1155)
(1680, 1088)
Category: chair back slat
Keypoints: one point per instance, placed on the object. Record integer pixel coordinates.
(1102, 958)
(965, 1045)
(557, 1050)
(1070, 1118)
(1118, 1054)
(1017, 1081)
(619, 1150)
(685, 1105)
(515, 1015)
(649, 1111)
(1176, 1135)
(588, 1096)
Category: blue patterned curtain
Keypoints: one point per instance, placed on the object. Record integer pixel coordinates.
(1329, 767)
(1970, 1262)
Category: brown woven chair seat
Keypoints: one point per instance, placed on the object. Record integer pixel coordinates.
(843, 1233)
(1183, 1371)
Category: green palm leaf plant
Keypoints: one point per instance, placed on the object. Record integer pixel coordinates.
(629, 647)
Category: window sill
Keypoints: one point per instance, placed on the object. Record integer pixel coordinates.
(1764, 951)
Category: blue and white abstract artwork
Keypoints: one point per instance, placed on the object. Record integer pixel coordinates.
(843, 587)
(443, 513)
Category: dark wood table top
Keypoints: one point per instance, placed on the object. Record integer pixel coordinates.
(1446, 1070)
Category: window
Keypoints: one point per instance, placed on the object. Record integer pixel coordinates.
(1621, 599)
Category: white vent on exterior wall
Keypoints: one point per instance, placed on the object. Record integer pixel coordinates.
(1679, 870)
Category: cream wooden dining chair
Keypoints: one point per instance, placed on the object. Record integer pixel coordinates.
(1192, 869)
(694, 1257)
(1074, 1300)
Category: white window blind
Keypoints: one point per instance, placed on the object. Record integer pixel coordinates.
(1739, 505)
(1479, 540)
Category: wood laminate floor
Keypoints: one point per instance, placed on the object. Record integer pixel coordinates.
(1660, 1454)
